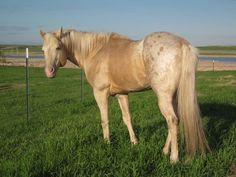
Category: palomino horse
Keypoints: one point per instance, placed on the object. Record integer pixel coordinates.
(115, 65)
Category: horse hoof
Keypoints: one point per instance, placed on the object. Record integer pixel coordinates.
(135, 143)
(165, 151)
(107, 141)
(174, 160)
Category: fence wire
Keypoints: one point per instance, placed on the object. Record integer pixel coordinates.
(19, 101)
(13, 89)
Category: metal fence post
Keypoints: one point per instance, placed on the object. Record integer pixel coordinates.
(213, 65)
(27, 83)
(81, 85)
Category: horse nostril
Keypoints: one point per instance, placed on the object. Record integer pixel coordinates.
(51, 70)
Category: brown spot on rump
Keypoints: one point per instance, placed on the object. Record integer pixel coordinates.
(154, 41)
(159, 36)
(160, 50)
(152, 58)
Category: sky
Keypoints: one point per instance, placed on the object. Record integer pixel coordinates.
(202, 22)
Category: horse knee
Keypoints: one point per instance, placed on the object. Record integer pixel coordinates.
(174, 120)
(167, 111)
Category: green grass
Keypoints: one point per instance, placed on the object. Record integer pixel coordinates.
(64, 136)
(217, 50)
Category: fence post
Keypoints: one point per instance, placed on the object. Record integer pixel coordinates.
(27, 83)
(213, 65)
(81, 85)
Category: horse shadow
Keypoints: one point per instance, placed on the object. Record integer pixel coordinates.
(220, 119)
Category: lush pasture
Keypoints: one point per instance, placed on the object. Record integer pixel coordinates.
(64, 138)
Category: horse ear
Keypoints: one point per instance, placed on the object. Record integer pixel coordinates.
(59, 33)
(42, 33)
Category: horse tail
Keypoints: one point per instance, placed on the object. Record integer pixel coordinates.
(188, 109)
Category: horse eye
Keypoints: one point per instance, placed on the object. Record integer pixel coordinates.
(58, 48)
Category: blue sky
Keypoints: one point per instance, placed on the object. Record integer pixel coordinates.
(202, 22)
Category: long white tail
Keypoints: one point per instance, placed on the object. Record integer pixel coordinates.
(188, 109)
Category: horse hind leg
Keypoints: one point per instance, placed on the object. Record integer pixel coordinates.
(166, 107)
(165, 102)
(166, 147)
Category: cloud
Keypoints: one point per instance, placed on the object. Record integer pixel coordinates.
(14, 29)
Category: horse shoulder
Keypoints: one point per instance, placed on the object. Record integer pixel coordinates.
(96, 70)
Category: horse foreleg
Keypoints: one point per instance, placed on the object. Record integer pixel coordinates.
(124, 106)
(102, 101)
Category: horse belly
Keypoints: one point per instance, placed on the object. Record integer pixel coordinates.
(128, 75)
(125, 83)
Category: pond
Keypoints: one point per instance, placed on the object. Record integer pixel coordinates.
(218, 58)
(209, 58)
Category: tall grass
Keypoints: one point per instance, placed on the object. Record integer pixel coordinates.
(64, 136)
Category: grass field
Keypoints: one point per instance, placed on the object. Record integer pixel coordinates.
(217, 50)
(11, 49)
(64, 136)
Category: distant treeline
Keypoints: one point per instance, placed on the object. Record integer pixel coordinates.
(37, 49)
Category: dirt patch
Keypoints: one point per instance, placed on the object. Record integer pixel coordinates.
(217, 66)
(228, 80)
(228, 77)
(226, 83)
(232, 171)
(232, 82)
(4, 87)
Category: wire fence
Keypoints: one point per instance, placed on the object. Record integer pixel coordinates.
(20, 94)
(19, 99)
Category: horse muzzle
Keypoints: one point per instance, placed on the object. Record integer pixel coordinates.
(50, 72)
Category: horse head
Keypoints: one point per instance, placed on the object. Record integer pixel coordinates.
(54, 52)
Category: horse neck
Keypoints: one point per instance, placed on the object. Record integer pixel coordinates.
(82, 46)
(69, 46)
